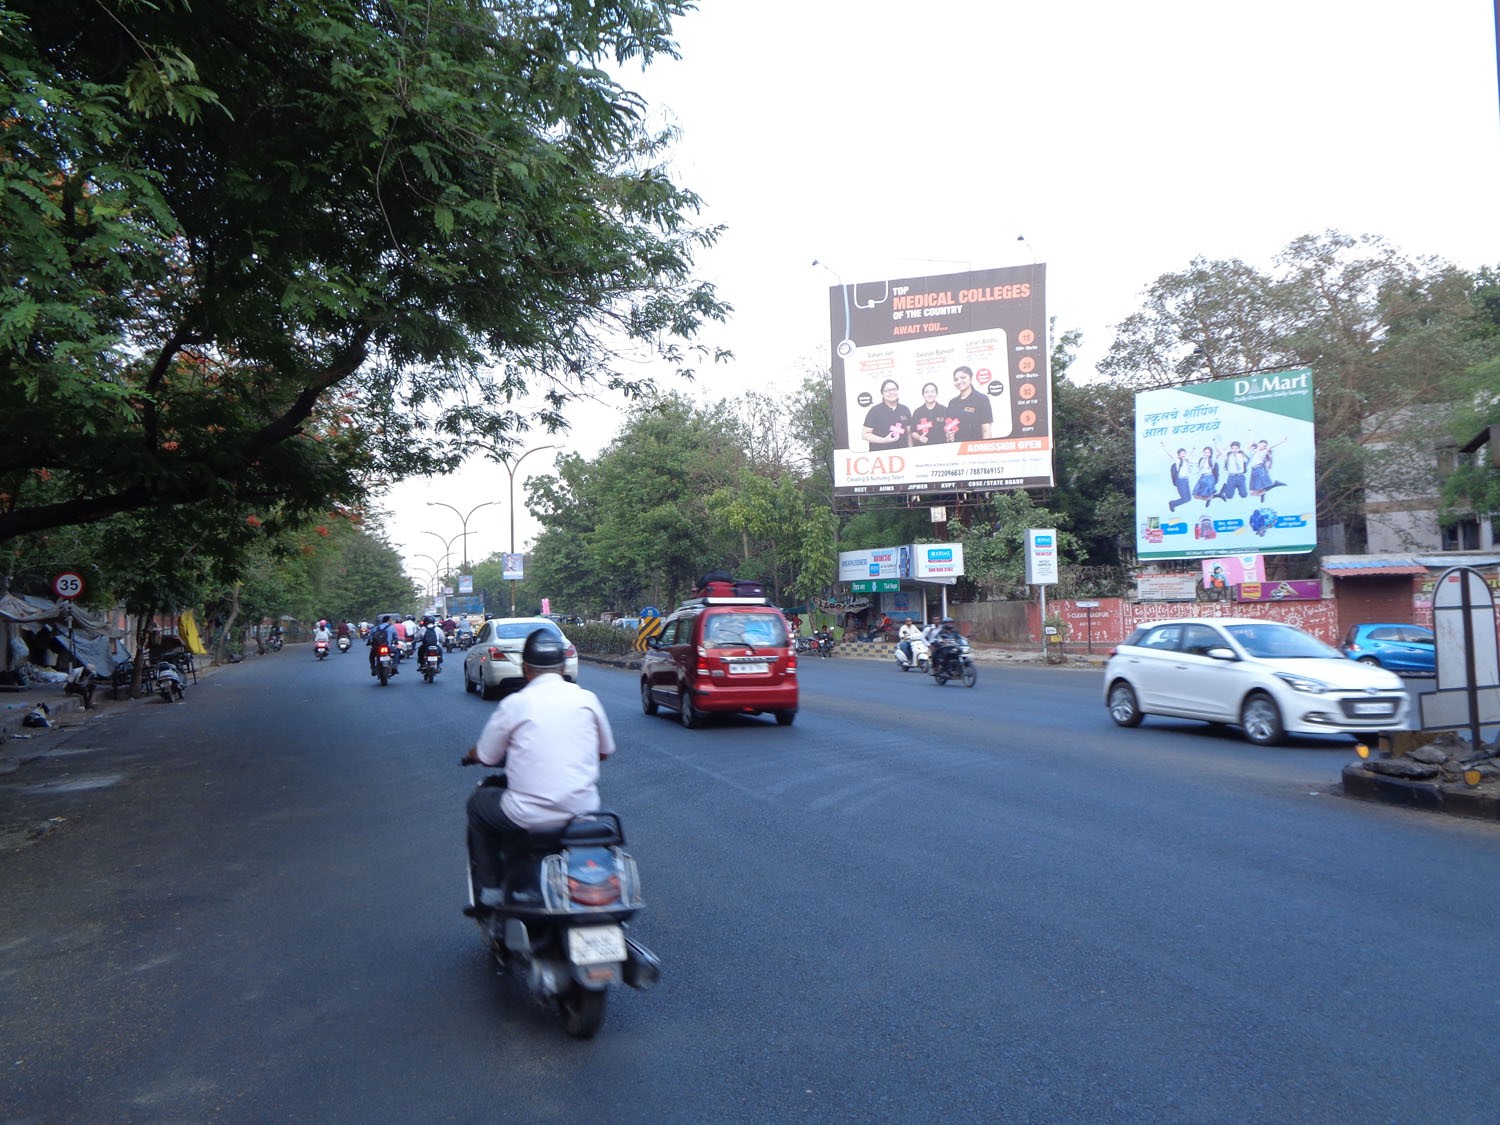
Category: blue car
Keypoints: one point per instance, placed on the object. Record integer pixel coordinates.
(1407, 650)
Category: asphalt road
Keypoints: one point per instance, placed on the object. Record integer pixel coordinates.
(916, 904)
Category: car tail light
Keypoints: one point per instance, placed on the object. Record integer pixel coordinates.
(702, 662)
(498, 653)
(572, 652)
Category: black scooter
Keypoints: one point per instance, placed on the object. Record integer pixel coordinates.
(567, 900)
(432, 662)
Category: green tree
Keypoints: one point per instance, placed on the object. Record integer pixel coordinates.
(248, 247)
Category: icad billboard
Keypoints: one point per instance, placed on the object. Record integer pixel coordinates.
(1226, 468)
(941, 384)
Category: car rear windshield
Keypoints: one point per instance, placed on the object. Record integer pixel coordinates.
(520, 630)
(1280, 642)
(765, 630)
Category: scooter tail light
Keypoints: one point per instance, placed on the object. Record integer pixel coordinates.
(595, 894)
(383, 650)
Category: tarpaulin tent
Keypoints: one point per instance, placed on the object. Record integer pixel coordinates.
(91, 635)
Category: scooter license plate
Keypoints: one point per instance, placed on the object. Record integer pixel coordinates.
(596, 945)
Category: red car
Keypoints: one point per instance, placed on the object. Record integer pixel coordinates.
(721, 655)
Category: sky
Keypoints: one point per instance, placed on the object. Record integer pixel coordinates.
(1113, 142)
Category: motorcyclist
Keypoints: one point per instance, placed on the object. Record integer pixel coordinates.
(550, 736)
(321, 635)
(945, 641)
(430, 638)
(910, 631)
(385, 634)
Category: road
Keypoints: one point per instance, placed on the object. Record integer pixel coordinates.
(916, 904)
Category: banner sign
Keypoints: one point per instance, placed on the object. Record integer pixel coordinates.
(941, 384)
(1291, 590)
(1226, 468)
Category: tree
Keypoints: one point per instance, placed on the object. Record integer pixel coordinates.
(249, 247)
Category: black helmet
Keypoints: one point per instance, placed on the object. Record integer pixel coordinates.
(544, 649)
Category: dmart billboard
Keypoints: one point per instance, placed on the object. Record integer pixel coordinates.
(1226, 468)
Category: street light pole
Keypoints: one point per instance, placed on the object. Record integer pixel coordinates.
(463, 519)
(510, 468)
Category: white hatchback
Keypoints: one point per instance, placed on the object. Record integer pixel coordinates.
(1270, 679)
(492, 664)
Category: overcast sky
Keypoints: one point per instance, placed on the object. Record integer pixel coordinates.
(889, 139)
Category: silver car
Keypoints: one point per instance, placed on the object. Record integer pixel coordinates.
(492, 664)
(1268, 678)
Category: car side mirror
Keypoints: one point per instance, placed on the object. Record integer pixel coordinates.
(1219, 652)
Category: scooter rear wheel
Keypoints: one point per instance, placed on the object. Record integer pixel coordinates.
(582, 1011)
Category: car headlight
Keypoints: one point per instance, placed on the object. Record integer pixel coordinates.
(1304, 683)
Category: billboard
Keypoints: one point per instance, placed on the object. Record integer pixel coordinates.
(1226, 468)
(941, 384)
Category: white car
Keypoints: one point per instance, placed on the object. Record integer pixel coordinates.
(1270, 679)
(492, 664)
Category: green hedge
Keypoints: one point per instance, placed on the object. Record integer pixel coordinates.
(602, 640)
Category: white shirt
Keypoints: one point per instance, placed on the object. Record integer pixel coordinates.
(550, 736)
(910, 631)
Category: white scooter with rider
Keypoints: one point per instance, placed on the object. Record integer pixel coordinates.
(911, 650)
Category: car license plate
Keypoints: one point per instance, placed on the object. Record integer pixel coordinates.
(742, 669)
(1373, 709)
(596, 945)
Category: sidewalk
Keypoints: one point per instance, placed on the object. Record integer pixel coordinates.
(66, 710)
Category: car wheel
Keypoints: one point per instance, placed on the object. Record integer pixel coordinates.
(469, 684)
(691, 717)
(785, 718)
(488, 691)
(1370, 660)
(1123, 708)
(648, 704)
(1261, 720)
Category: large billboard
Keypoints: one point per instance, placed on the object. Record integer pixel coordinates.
(1226, 468)
(941, 384)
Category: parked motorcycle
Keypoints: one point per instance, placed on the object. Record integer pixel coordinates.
(954, 660)
(567, 901)
(919, 659)
(432, 662)
(823, 639)
(320, 650)
(344, 643)
(385, 664)
(169, 682)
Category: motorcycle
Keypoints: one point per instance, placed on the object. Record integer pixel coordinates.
(823, 640)
(432, 662)
(274, 642)
(385, 664)
(953, 660)
(169, 682)
(560, 925)
(920, 657)
(344, 643)
(320, 649)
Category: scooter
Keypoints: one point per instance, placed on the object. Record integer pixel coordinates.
(344, 643)
(919, 659)
(560, 925)
(385, 664)
(432, 662)
(320, 649)
(274, 642)
(953, 660)
(169, 682)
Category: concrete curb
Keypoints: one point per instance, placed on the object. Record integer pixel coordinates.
(1363, 785)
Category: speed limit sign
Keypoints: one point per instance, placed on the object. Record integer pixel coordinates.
(67, 585)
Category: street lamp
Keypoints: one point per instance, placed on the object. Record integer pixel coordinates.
(464, 520)
(510, 468)
(447, 546)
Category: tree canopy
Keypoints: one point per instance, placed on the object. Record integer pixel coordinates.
(248, 248)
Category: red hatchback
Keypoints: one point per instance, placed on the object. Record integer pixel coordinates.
(717, 655)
